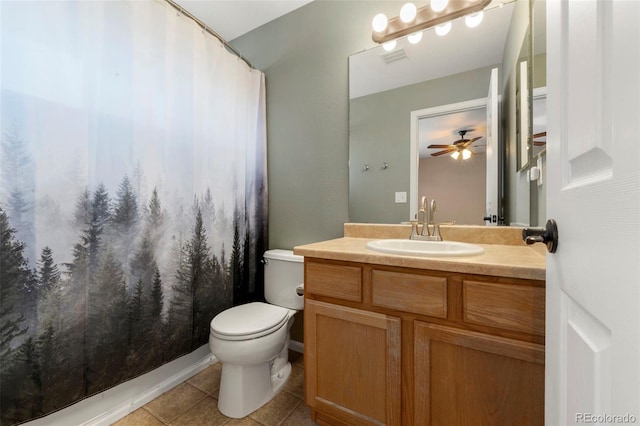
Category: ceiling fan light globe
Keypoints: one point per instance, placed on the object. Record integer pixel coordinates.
(455, 155)
(466, 154)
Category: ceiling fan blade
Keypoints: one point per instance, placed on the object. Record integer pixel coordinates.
(446, 151)
(441, 146)
(470, 141)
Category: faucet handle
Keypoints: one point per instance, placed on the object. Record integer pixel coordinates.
(414, 229)
(436, 232)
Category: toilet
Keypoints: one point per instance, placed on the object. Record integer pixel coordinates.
(252, 340)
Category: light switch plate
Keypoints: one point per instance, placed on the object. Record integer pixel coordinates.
(401, 197)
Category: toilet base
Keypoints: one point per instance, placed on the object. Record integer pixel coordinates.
(245, 388)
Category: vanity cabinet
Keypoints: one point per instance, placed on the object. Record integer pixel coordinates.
(401, 346)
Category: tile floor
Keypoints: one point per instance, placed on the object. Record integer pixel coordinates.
(195, 403)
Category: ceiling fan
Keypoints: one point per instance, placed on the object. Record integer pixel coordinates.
(459, 147)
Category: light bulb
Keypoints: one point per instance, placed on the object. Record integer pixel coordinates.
(474, 20)
(408, 12)
(389, 46)
(466, 154)
(379, 22)
(415, 37)
(443, 29)
(455, 155)
(439, 5)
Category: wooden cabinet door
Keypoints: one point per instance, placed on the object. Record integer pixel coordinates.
(352, 363)
(469, 378)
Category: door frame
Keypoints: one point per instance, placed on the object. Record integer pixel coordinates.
(414, 157)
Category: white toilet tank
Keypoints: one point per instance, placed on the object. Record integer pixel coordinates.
(283, 272)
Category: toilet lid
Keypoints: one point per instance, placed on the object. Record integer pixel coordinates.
(252, 318)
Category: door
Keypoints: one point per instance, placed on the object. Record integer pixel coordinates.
(593, 280)
(492, 207)
(352, 364)
(465, 377)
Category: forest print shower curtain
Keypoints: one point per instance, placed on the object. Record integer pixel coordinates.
(132, 197)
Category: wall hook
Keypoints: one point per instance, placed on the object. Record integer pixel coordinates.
(365, 168)
(385, 166)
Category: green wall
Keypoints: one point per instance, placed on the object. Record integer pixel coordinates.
(381, 134)
(304, 56)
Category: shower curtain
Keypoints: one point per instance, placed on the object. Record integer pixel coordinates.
(132, 197)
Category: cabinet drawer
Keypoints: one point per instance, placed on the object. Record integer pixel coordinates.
(420, 294)
(512, 307)
(341, 282)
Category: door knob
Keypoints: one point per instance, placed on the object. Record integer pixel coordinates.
(547, 235)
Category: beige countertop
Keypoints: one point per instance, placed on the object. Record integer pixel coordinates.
(513, 261)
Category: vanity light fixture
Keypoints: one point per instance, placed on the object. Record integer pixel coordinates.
(474, 20)
(428, 16)
(389, 45)
(438, 5)
(415, 37)
(408, 13)
(380, 22)
(443, 29)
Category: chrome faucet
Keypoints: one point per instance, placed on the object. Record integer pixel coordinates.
(426, 219)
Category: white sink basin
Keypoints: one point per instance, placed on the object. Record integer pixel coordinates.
(425, 248)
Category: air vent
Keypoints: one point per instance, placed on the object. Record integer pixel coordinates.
(394, 56)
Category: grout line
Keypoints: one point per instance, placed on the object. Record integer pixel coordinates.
(292, 411)
(144, 407)
(204, 396)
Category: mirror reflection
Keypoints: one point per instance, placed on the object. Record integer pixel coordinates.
(387, 87)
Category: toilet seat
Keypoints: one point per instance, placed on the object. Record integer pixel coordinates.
(249, 321)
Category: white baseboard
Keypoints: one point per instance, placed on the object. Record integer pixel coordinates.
(296, 346)
(113, 404)
(149, 394)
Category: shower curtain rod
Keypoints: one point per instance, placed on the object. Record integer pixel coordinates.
(205, 27)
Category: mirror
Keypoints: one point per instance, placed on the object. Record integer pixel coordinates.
(538, 142)
(386, 87)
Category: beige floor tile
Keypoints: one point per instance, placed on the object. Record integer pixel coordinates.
(208, 380)
(140, 417)
(171, 404)
(247, 421)
(274, 411)
(301, 416)
(204, 413)
(295, 384)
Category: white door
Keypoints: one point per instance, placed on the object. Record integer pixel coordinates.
(593, 280)
(492, 207)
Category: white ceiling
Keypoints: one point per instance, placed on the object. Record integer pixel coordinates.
(443, 130)
(233, 18)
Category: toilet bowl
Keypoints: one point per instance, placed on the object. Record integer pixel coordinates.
(252, 340)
